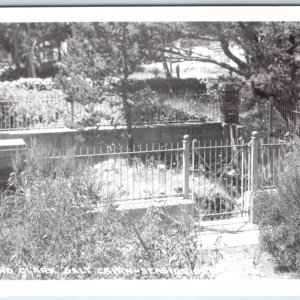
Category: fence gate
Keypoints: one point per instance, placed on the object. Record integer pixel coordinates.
(221, 179)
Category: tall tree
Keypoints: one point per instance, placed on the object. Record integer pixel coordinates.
(106, 54)
(269, 52)
(26, 41)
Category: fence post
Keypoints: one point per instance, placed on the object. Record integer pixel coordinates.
(271, 103)
(186, 166)
(253, 170)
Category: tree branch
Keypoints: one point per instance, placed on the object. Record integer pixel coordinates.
(187, 55)
(230, 55)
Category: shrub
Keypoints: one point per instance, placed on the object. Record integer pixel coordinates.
(215, 205)
(146, 107)
(172, 86)
(30, 84)
(26, 107)
(278, 215)
(54, 219)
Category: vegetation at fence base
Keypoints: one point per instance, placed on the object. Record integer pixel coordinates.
(38, 84)
(146, 107)
(277, 213)
(49, 222)
(23, 106)
(173, 86)
(214, 206)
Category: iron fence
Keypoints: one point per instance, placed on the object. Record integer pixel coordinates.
(34, 112)
(146, 172)
(220, 176)
(55, 112)
(285, 119)
(271, 115)
(273, 153)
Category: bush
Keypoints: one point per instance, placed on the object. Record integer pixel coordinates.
(172, 86)
(30, 84)
(146, 107)
(278, 215)
(24, 106)
(54, 219)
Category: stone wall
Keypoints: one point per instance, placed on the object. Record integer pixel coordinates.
(8, 149)
(61, 138)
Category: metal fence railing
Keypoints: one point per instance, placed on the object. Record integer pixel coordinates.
(285, 118)
(46, 112)
(145, 172)
(220, 176)
(271, 116)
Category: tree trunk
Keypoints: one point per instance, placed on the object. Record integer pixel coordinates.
(126, 106)
(127, 111)
(59, 51)
(16, 55)
(30, 64)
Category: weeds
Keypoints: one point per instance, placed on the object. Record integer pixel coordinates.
(56, 226)
(278, 214)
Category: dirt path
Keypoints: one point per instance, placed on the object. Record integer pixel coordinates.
(246, 262)
(237, 252)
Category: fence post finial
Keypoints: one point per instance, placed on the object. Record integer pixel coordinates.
(186, 166)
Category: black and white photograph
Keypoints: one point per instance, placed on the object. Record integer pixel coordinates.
(150, 149)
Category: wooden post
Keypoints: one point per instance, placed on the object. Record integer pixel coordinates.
(271, 103)
(178, 71)
(186, 166)
(253, 170)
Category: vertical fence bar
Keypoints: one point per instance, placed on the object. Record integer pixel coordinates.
(186, 167)
(254, 170)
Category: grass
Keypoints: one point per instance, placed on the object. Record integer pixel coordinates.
(48, 222)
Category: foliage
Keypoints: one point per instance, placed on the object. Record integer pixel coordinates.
(213, 204)
(33, 46)
(52, 219)
(267, 53)
(100, 58)
(32, 103)
(277, 213)
(28, 84)
(147, 107)
(171, 86)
